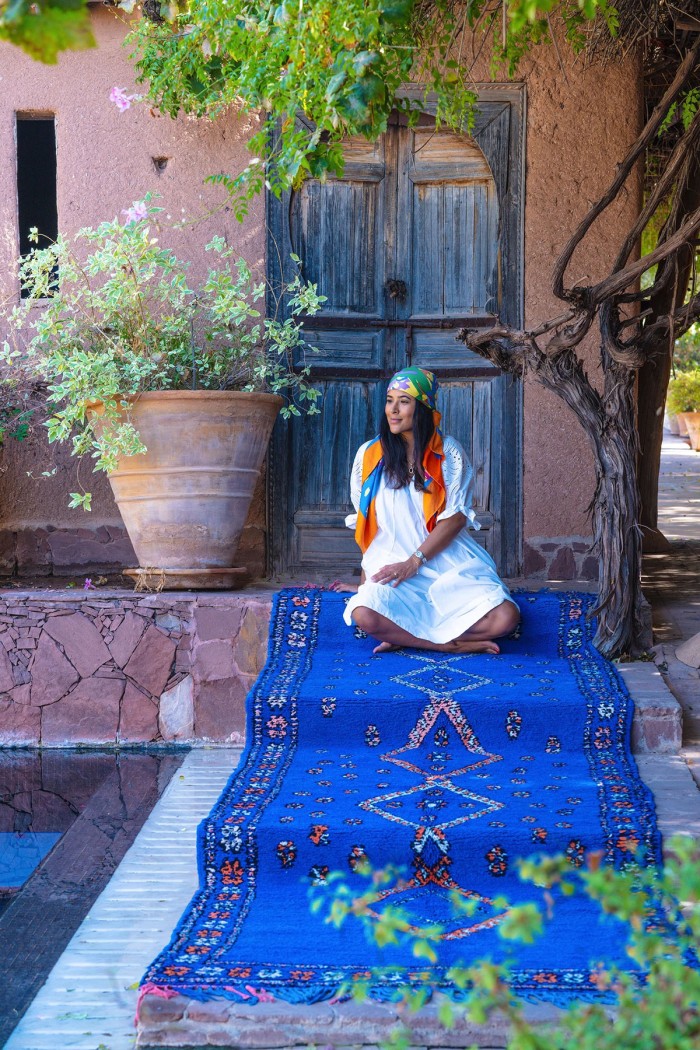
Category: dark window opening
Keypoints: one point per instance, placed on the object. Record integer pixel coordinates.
(36, 180)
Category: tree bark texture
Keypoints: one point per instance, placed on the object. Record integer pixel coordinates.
(615, 516)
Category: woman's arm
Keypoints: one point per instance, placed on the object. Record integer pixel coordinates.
(436, 542)
(351, 520)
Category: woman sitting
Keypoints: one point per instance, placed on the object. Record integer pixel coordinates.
(425, 582)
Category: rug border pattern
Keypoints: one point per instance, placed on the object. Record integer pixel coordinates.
(293, 640)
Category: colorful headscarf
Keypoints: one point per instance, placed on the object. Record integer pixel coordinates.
(419, 383)
(423, 386)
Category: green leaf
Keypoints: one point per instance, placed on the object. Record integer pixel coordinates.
(45, 31)
(80, 499)
(423, 950)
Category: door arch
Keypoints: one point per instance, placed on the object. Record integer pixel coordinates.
(420, 237)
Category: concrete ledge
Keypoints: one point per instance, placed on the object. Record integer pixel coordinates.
(658, 717)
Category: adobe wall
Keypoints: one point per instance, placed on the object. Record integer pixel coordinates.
(105, 163)
(579, 124)
(579, 127)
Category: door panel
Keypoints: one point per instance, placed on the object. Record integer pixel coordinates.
(336, 228)
(324, 448)
(409, 246)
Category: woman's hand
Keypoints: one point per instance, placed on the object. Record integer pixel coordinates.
(397, 572)
(343, 588)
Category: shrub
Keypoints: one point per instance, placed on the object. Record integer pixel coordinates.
(684, 392)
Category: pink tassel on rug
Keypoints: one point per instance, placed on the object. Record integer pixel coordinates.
(263, 996)
(153, 989)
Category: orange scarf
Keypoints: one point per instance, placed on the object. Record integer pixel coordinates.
(434, 499)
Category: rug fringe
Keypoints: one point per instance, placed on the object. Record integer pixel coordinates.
(157, 990)
(312, 994)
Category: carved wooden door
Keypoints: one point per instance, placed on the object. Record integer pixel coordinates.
(420, 238)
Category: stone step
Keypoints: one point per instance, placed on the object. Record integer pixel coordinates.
(113, 668)
(657, 726)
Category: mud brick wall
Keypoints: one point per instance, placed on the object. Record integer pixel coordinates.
(116, 669)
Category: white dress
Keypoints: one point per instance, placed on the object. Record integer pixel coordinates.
(457, 587)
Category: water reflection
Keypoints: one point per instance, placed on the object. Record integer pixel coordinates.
(41, 794)
(66, 820)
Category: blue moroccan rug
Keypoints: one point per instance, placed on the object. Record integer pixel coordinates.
(448, 767)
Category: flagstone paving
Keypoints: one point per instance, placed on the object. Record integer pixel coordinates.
(672, 580)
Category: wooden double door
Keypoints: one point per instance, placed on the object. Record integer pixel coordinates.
(421, 237)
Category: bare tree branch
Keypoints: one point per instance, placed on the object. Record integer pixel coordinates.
(674, 168)
(618, 282)
(685, 70)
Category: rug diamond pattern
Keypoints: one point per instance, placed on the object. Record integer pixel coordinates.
(353, 756)
(426, 801)
(446, 677)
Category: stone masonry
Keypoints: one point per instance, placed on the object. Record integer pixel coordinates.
(50, 551)
(559, 558)
(120, 668)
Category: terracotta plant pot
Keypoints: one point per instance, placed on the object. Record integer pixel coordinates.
(673, 425)
(692, 422)
(184, 502)
(682, 427)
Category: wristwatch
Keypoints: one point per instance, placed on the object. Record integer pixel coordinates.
(421, 557)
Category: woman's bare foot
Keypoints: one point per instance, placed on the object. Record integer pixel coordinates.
(459, 645)
(463, 645)
(392, 637)
(385, 647)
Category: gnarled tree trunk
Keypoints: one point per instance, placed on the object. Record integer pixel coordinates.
(615, 516)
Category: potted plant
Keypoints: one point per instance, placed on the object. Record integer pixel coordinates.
(171, 387)
(683, 400)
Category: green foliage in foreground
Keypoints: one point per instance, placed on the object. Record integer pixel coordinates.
(340, 64)
(46, 28)
(122, 317)
(662, 1013)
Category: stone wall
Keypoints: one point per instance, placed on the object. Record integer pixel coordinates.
(117, 669)
(52, 551)
(559, 558)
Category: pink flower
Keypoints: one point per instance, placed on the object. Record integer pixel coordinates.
(120, 99)
(88, 585)
(138, 210)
